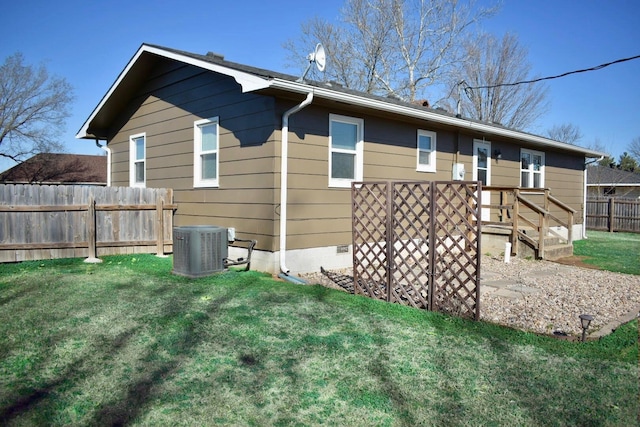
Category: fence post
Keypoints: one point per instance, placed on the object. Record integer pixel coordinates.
(91, 232)
(611, 215)
(160, 227)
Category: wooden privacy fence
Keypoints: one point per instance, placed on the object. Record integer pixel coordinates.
(613, 214)
(64, 221)
(418, 244)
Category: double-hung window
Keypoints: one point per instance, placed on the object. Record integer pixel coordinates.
(426, 151)
(205, 151)
(137, 160)
(345, 150)
(531, 169)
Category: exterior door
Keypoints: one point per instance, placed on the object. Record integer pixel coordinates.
(482, 172)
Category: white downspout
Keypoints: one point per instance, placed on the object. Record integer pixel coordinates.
(584, 207)
(108, 150)
(283, 179)
(584, 199)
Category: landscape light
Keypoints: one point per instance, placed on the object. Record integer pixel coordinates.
(585, 320)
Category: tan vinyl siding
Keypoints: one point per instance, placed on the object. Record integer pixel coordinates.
(565, 178)
(166, 107)
(391, 153)
(320, 215)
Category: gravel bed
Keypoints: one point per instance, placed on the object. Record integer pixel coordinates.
(553, 295)
(565, 292)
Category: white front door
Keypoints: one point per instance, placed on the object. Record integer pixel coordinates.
(482, 172)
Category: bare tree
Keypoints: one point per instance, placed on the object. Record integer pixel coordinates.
(597, 145)
(565, 132)
(391, 47)
(488, 74)
(33, 109)
(634, 148)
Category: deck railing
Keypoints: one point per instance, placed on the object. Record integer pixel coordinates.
(530, 214)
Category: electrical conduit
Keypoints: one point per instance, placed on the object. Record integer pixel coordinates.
(283, 179)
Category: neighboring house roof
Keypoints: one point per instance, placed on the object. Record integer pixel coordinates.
(605, 176)
(49, 168)
(253, 79)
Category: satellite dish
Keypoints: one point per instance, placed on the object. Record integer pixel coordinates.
(318, 56)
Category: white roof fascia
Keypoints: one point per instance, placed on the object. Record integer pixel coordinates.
(427, 115)
(249, 82)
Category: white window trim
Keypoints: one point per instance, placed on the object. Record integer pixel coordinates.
(198, 182)
(358, 172)
(132, 160)
(475, 160)
(530, 168)
(431, 167)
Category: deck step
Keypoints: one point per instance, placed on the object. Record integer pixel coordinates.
(554, 252)
(554, 241)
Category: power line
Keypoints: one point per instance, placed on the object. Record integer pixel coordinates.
(597, 67)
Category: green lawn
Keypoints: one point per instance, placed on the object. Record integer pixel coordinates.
(125, 342)
(619, 252)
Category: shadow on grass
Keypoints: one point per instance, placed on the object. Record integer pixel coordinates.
(148, 385)
(27, 399)
(44, 395)
(22, 293)
(389, 384)
(42, 392)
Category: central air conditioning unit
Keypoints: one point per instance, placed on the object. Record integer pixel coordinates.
(199, 250)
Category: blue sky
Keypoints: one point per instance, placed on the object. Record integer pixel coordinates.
(90, 42)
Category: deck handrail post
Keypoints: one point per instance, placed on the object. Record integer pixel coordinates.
(543, 225)
(570, 228)
(516, 215)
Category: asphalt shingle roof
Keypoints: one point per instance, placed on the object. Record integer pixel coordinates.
(49, 168)
(598, 175)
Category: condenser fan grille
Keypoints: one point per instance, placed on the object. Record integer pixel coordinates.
(199, 250)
